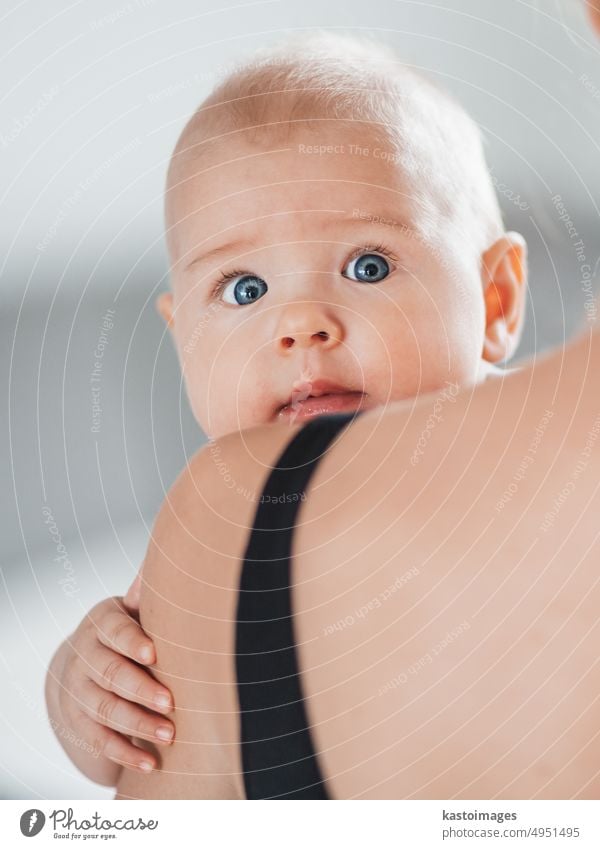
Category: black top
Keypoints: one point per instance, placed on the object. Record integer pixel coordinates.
(278, 756)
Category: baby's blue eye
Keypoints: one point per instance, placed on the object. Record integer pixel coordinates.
(367, 268)
(244, 289)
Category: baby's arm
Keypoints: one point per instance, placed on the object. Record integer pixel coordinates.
(94, 692)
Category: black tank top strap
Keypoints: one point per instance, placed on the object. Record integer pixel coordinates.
(278, 756)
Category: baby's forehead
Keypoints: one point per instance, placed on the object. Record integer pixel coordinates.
(318, 186)
(327, 166)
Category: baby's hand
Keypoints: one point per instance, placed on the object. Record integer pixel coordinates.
(105, 697)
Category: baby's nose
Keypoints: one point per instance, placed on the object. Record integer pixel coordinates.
(308, 324)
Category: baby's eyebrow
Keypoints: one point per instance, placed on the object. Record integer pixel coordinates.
(236, 246)
(379, 218)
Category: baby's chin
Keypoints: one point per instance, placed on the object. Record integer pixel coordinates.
(215, 427)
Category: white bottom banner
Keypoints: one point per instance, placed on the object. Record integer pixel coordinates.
(411, 824)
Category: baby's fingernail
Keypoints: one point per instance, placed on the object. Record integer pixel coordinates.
(146, 766)
(162, 700)
(164, 732)
(146, 653)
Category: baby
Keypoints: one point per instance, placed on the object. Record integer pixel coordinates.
(335, 244)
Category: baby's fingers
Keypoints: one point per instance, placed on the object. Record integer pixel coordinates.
(113, 712)
(120, 632)
(113, 672)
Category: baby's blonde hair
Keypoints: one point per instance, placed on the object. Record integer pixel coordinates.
(321, 76)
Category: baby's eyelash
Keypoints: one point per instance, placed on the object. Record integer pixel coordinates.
(226, 276)
(373, 249)
(223, 279)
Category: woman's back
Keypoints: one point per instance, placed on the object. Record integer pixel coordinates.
(445, 585)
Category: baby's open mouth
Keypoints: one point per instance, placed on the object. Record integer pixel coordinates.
(312, 396)
(316, 405)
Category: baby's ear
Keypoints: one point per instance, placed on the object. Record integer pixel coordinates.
(504, 274)
(164, 306)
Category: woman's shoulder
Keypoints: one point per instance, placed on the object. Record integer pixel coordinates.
(207, 513)
(227, 472)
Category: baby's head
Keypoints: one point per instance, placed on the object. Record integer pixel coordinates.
(332, 227)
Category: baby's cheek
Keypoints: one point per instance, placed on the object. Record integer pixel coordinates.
(231, 404)
(424, 348)
(195, 382)
(196, 395)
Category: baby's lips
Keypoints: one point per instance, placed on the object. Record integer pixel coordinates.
(301, 391)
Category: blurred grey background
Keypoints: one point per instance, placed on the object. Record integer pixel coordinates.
(93, 97)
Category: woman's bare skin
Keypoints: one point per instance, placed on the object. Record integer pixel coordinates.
(508, 707)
